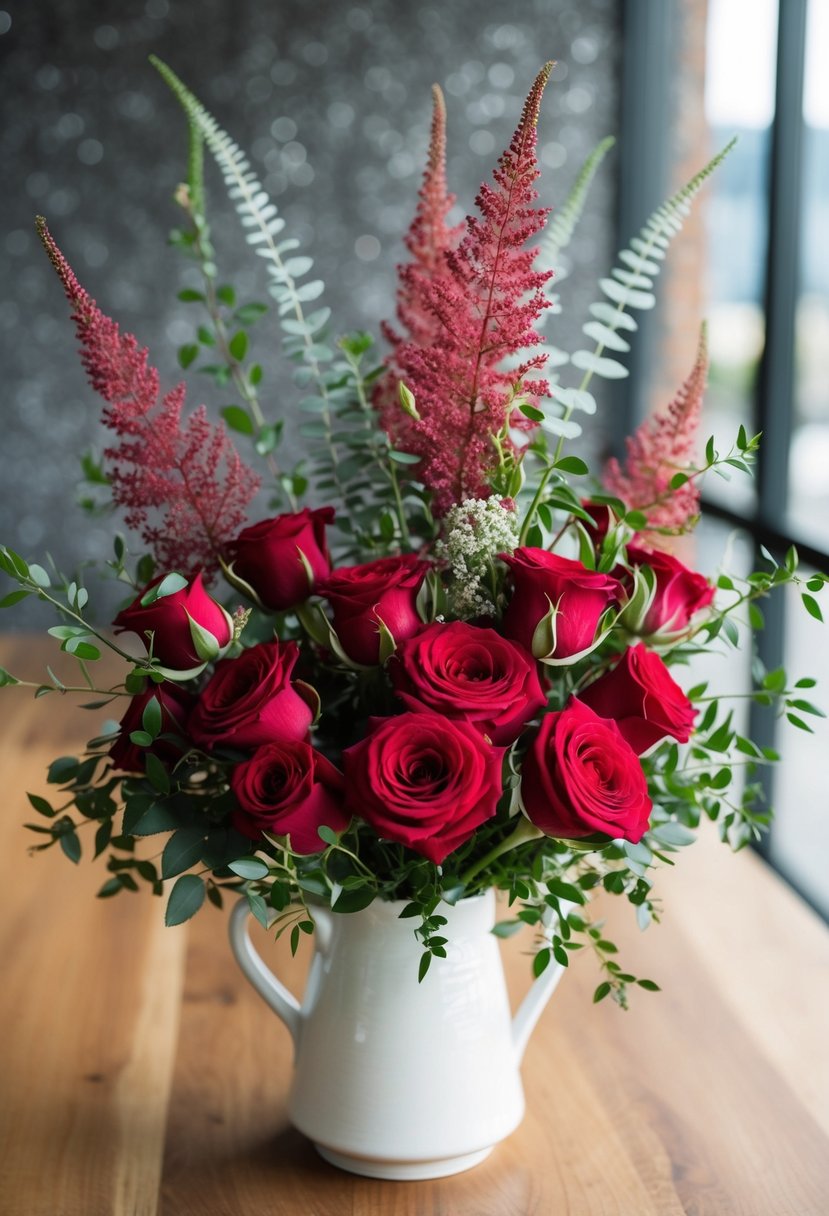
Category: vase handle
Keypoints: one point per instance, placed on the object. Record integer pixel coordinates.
(273, 991)
(533, 1004)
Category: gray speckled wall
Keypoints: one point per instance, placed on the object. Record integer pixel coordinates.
(331, 101)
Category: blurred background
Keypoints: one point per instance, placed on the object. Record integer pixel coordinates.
(332, 103)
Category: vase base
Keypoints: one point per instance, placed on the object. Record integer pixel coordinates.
(403, 1171)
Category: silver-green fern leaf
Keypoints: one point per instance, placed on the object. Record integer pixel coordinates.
(258, 213)
(562, 225)
(631, 283)
(557, 237)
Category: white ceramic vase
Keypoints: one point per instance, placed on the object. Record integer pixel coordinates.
(396, 1079)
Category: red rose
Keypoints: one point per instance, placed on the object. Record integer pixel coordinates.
(680, 594)
(363, 596)
(579, 596)
(289, 789)
(251, 700)
(473, 674)
(643, 699)
(580, 777)
(176, 705)
(423, 781)
(175, 622)
(281, 559)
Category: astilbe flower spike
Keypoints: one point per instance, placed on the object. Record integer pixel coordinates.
(427, 240)
(661, 447)
(476, 305)
(181, 483)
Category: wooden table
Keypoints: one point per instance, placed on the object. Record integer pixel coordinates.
(141, 1074)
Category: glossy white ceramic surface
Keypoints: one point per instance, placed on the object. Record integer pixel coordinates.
(393, 1078)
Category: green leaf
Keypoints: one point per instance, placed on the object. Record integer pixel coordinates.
(14, 597)
(186, 897)
(187, 354)
(81, 649)
(141, 738)
(182, 850)
(541, 961)
(7, 679)
(157, 773)
(328, 835)
(572, 464)
(355, 899)
(249, 314)
(425, 963)
(188, 296)
(403, 457)
(238, 345)
(649, 985)
(601, 992)
(62, 770)
(249, 867)
(507, 928)
(799, 723)
(812, 606)
(71, 846)
(226, 294)
(566, 891)
(151, 821)
(530, 411)
(41, 805)
(259, 908)
(151, 718)
(238, 419)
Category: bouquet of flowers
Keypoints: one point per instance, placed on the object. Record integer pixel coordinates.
(460, 671)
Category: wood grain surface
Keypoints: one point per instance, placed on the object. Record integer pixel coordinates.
(141, 1075)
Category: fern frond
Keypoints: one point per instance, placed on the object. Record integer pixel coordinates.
(564, 220)
(631, 283)
(289, 286)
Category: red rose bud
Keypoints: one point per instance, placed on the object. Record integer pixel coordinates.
(250, 700)
(666, 596)
(643, 699)
(471, 674)
(580, 776)
(189, 628)
(289, 789)
(375, 605)
(556, 604)
(280, 560)
(423, 781)
(171, 719)
(603, 520)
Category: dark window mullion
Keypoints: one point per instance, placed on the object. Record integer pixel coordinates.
(776, 381)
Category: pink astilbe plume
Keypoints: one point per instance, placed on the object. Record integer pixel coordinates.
(661, 447)
(476, 305)
(427, 240)
(181, 483)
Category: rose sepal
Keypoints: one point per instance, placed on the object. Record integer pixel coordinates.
(388, 646)
(311, 698)
(240, 584)
(206, 644)
(320, 630)
(633, 614)
(179, 677)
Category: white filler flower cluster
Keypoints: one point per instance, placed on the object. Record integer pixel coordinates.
(474, 532)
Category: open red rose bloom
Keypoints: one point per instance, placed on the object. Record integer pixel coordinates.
(451, 669)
